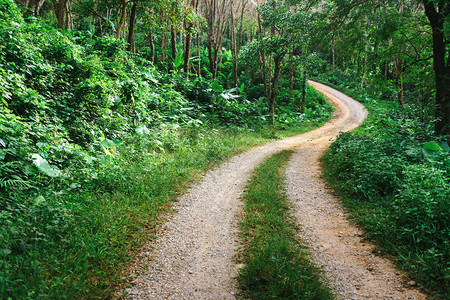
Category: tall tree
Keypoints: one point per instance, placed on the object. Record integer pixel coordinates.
(437, 13)
(216, 12)
(283, 26)
(131, 44)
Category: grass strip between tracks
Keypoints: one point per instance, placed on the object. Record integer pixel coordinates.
(275, 263)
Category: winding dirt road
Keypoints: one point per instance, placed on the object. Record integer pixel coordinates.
(193, 257)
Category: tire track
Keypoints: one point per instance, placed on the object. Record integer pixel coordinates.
(192, 258)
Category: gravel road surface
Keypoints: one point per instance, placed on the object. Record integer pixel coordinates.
(192, 258)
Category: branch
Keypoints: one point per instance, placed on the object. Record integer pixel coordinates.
(413, 63)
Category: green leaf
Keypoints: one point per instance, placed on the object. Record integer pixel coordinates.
(45, 167)
(217, 87)
(2, 143)
(107, 143)
(39, 199)
(105, 159)
(5, 252)
(142, 130)
(432, 146)
(42, 146)
(89, 159)
(444, 146)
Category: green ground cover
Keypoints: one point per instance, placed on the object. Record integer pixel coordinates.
(394, 176)
(275, 263)
(95, 145)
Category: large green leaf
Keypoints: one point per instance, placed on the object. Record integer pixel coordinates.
(43, 166)
(142, 130)
(432, 146)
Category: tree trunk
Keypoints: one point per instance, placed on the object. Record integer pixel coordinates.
(366, 50)
(440, 66)
(68, 19)
(122, 19)
(187, 51)
(303, 91)
(274, 88)
(131, 45)
(199, 74)
(38, 6)
(152, 47)
(262, 57)
(240, 36)
(233, 50)
(210, 55)
(333, 49)
(400, 93)
(291, 74)
(61, 12)
(163, 54)
(173, 40)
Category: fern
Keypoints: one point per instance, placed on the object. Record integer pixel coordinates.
(15, 182)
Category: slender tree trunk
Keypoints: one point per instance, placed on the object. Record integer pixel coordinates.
(152, 47)
(123, 16)
(199, 70)
(274, 88)
(210, 54)
(262, 57)
(131, 46)
(233, 50)
(291, 73)
(333, 49)
(173, 40)
(163, 54)
(68, 18)
(303, 91)
(366, 50)
(240, 36)
(400, 93)
(187, 50)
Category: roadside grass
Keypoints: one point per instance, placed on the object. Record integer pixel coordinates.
(275, 263)
(397, 189)
(79, 242)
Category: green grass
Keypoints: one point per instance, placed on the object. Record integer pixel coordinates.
(78, 242)
(276, 264)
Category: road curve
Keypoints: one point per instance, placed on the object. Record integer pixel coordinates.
(193, 257)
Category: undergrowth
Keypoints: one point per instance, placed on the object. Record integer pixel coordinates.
(95, 145)
(394, 176)
(276, 265)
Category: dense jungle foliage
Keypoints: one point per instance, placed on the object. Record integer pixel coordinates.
(394, 175)
(96, 142)
(109, 109)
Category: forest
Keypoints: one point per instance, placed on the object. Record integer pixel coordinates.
(110, 109)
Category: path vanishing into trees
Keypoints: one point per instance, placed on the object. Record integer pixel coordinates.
(192, 256)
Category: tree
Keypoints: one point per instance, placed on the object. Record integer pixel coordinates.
(437, 13)
(62, 13)
(283, 30)
(216, 12)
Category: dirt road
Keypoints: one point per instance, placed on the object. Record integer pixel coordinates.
(193, 257)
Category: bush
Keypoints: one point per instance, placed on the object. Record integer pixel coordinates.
(395, 175)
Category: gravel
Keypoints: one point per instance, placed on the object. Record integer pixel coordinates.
(192, 257)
